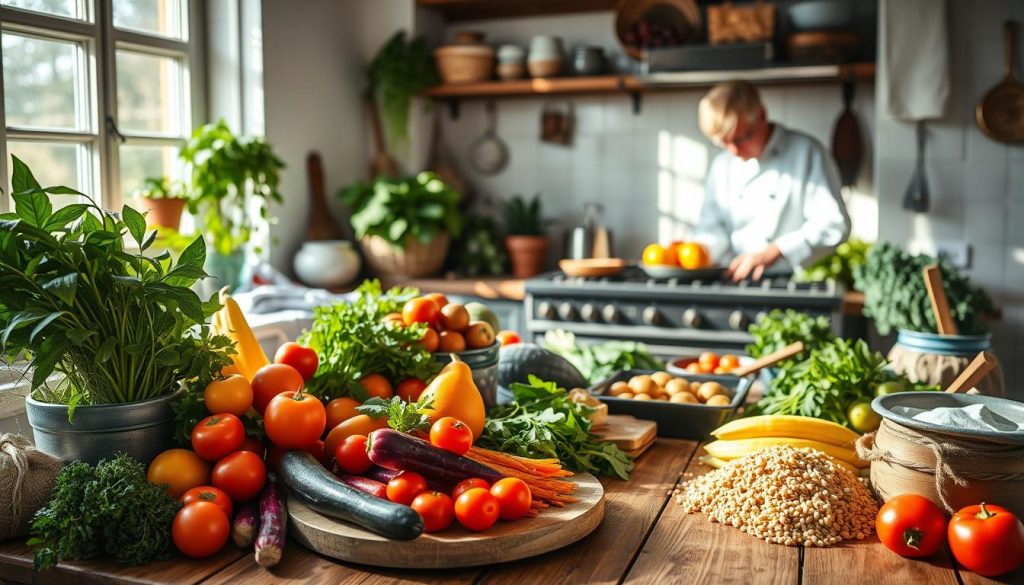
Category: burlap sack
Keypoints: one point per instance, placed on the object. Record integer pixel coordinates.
(27, 476)
(941, 369)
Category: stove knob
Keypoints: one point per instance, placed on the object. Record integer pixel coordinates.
(567, 312)
(589, 312)
(546, 311)
(611, 314)
(738, 321)
(652, 316)
(692, 319)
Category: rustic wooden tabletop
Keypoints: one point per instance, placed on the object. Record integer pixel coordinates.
(645, 538)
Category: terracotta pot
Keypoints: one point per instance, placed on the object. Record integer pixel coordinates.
(416, 260)
(527, 254)
(162, 212)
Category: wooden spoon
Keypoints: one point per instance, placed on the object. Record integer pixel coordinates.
(940, 304)
(1000, 113)
(321, 224)
(980, 366)
(769, 360)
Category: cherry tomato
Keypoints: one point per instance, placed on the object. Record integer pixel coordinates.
(271, 380)
(208, 493)
(421, 310)
(341, 409)
(405, 486)
(410, 389)
(436, 509)
(911, 526)
(508, 338)
(476, 509)
(240, 474)
(514, 497)
(180, 469)
(295, 421)
(351, 455)
(302, 358)
(232, 394)
(468, 484)
(451, 434)
(987, 539)
(729, 362)
(200, 529)
(216, 436)
(377, 386)
(708, 361)
(254, 445)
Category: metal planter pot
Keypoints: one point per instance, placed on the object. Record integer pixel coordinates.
(140, 429)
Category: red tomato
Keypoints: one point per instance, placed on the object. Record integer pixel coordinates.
(468, 484)
(351, 455)
(200, 529)
(241, 474)
(514, 497)
(708, 361)
(271, 380)
(436, 509)
(911, 526)
(410, 389)
(302, 358)
(404, 487)
(451, 434)
(476, 509)
(295, 421)
(216, 436)
(987, 539)
(729, 362)
(208, 493)
(377, 386)
(508, 338)
(254, 445)
(438, 299)
(421, 310)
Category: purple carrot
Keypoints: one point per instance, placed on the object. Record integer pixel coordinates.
(243, 529)
(273, 524)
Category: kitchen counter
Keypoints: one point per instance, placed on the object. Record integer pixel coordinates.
(645, 538)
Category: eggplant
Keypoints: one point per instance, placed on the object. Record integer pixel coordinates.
(391, 449)
(314, 486)
(243, 529)
(273, 525)
(378, 473)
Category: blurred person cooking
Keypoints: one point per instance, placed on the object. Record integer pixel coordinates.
(772, 198)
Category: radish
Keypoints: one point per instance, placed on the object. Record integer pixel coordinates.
(273, 523)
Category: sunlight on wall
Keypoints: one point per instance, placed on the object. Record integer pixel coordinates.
(1018, 256)
(863, 210)
(682, 169)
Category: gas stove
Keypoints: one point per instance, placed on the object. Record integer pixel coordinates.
(671, 316)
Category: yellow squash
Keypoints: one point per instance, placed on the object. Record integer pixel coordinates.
(230, 321)
(455, 394)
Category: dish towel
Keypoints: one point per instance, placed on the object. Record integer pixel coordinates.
(914, 58)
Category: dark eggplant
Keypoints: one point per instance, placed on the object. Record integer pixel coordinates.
(378, 473)
(394, 450)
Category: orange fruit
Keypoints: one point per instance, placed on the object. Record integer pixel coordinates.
(430, 340)
(377, 385)
(729, 362)
(708, 361)
(672, 250)
(655, 254)
(340, 410)
(693, 256)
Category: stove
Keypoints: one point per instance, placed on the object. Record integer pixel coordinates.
(672, 317)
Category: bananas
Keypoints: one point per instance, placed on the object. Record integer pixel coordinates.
(230, 321)
(729, 450)
(796, 427)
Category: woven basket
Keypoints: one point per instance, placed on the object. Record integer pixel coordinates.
(465, 63)
(681, 15)
(754, 23)
(415, 261)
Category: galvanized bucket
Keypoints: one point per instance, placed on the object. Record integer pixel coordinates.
(484, 363)
(938, 359)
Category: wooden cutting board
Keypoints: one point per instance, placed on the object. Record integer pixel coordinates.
(634, 453)
(628, 432)
(454, 546)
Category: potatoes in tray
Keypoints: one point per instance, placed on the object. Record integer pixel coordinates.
(664, 387)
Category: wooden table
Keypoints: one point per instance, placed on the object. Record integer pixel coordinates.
(645, 538)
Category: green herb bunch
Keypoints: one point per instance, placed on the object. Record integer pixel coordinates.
(479, 251)
(120, 326)
(778, 329)
(353, 341)
(522, 217)
(399, 71)
(161, 188)
(839, 265)
(106, 510)
(598, 361)
(420, 207)
(541, 421)
(404, 417)
(895, 295)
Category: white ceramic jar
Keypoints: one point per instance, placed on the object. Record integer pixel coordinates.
(546, 56)
(327, 263)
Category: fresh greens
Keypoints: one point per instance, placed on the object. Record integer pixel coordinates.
(399, 71)
(541, 421)
(420, 207)
(780, 328)
(840, 264)
(352, 341)
(106, 510)
(598, 361)
(522, 217)
(402, 416)
(896, 298)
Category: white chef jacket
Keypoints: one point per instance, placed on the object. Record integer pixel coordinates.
(790, 196)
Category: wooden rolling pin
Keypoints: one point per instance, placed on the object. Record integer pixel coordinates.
(770, 359)
(940, 304)
(980, 366)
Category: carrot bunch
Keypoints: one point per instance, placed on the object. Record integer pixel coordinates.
(544, 476)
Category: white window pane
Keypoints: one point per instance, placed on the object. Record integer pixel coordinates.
(149, 93)
(44, 83)
(53, 164)
(66, 8)
(157, 17)
(139, 163)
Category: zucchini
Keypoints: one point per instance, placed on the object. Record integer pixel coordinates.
(391, 449)
(315, 487)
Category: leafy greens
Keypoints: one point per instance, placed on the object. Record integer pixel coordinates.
(598, 361)
(780, 328)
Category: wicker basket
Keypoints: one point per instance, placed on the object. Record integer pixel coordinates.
(415, 261)
(681, 15)
(754, 23)
(465, 63)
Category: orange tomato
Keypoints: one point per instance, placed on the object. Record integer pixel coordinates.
(421, 310)
(655, 254)
(708, 361)
(377, 386)
(361, 424)
(295, 421)
(180, 469)
(232, 394)
(439, 299)
(271, 380)
(410, 389)
(430, 340)
(729, 362)
(693, 256)
(694, 368)
(341, 409)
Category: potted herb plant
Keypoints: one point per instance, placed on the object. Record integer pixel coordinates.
(163, 200)
(111, 332)
(233, 179)
(401, 70)
(405, 225)
(525, 239)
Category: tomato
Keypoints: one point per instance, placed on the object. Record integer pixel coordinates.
(404, 487)
(410, 389)
(911, 526)
(477, 509)
(200, 529)
(729, 362)
(341, 409)
(254, 445)
(208, 493)
(468, 484)
(514, 497)
(232, 394)
(655, 254)
(421, 310)
(302, 358)
(708, 361)
(862, 417)
(436, 509)
(351, 455)
(216, 436)
(377, 386)
(987, 539)
(241, 474)
(271, 380)
(508, 338)
(451, 434)
(439, 299)
(430, 340)
(693, 256)
(451, 342)
(295, 421)
(362, 424)
(180, 469)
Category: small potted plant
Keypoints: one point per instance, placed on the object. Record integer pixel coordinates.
(163, 200)
(405, 225)
(525, 239)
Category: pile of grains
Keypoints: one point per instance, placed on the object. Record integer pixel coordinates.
(785, 495)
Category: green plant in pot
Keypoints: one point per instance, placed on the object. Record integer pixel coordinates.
(163, 201)
(111, 332)
(400, 71)
(233, 180)
(525, 239)
(404, 225)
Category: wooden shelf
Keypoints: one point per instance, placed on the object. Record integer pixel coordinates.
(460, 10)
(520, 87)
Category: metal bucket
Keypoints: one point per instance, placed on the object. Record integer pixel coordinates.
(140, 429)
(484, 363)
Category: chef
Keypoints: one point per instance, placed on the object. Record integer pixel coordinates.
(772, 197)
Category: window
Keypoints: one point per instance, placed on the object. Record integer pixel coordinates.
(98, 95)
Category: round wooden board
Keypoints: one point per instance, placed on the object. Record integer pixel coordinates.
(455, 546)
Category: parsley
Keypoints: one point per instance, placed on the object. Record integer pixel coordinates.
(781, 328)
(402, 416)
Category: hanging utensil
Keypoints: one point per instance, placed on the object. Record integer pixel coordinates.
(916, 197)
(1000, 113)
(846, 144)
(321, 224)
(489, 154)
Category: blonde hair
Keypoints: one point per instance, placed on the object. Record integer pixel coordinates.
(723, 104)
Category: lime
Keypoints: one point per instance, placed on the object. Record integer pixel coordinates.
(890, 387)
(862, 418)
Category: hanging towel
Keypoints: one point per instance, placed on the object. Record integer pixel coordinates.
(914, 58)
